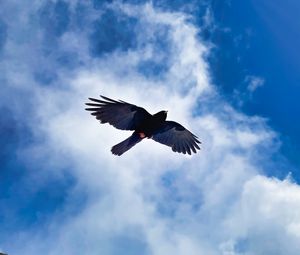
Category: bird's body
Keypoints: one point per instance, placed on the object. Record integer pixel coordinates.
(151, 124)
(125, 116)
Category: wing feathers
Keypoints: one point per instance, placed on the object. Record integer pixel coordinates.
(177, 137)
(119, 114)
(108, 99)
(188, 149)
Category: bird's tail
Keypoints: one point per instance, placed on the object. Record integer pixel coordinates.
(124, 146)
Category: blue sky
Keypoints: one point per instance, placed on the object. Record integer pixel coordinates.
(262, 40)
(228, 71)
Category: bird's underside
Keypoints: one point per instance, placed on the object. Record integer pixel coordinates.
(125, 116)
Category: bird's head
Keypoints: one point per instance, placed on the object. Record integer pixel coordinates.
(162, 115)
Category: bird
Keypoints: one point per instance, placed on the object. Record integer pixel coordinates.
(126, 116)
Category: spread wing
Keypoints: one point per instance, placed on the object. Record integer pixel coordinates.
(119, 114)
(176, 136)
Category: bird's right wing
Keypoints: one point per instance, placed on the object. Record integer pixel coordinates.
(177, 137)
(119, 114)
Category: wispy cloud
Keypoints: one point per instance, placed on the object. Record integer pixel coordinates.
(254, 82)
(151, 200)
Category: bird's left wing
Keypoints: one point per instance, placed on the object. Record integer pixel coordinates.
(176, 136)
(119, 114)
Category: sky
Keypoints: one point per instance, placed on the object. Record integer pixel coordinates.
(226, 70)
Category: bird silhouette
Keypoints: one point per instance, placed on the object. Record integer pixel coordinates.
(126, 116)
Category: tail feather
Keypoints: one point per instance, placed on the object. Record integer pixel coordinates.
(124, 146)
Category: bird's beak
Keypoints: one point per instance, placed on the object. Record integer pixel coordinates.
(166, 112)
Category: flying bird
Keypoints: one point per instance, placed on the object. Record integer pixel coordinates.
(126, 116)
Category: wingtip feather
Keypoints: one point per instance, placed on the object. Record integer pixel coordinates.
(108, 99)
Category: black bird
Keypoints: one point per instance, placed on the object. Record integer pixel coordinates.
(125, 116)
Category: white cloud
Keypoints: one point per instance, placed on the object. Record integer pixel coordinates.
(267, 217)
(254, 82)
(151, 199)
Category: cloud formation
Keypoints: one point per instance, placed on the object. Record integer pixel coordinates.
(151, 200)
(254, 82)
